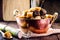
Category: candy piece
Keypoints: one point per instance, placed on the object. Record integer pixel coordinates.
(24, 13)
(29, 15)
(33, 9)
(37, 17)
(38, 8)
(48, 16)
(8, 35)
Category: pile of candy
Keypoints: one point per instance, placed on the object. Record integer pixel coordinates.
(35, 19)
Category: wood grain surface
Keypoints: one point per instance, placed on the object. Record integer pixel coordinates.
(10, 5)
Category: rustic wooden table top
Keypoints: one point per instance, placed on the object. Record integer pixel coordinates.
(50, 37)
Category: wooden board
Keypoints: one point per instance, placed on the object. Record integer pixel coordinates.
(10, 5)
(51, 37)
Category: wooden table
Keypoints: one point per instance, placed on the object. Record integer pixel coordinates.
(50, 37)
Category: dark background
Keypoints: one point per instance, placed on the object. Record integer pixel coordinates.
(52, 6)
(1, 17)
